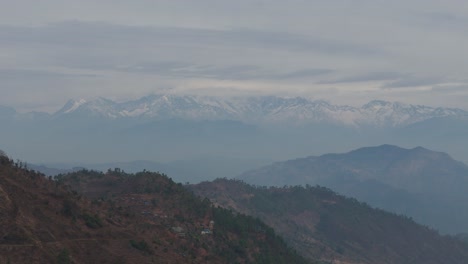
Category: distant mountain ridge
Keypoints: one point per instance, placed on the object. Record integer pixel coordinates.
(260, 109)
(174, 127)
(418, 182)
(408, 169)
(266, 109)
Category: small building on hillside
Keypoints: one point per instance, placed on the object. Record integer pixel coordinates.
(178, 230)
(206, 231)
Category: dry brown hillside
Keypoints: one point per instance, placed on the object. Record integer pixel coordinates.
(120, 218)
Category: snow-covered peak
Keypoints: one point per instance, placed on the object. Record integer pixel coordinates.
(71, 106)
(100, 107)
(377, 104)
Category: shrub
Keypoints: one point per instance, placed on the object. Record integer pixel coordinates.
(141, 245)
(92, 221)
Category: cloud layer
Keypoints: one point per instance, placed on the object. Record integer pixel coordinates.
(343, 51)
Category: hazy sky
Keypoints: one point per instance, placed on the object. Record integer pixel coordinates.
(347, 52)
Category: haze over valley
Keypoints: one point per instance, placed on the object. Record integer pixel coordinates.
(248, 131)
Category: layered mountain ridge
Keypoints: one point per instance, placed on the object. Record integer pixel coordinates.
(426, 185)
(261, 109)
(169, 127)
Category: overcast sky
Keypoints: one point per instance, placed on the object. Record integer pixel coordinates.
(346, 52)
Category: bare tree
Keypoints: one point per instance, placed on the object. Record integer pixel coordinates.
(2, 153)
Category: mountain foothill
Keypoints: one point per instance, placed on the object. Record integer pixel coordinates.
(92, 217)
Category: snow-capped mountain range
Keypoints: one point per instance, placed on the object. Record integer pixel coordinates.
(173, 127)
(265, 109)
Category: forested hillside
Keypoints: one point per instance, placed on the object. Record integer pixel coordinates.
(318, 222)
(121, 218)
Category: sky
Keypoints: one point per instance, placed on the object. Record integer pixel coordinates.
(346, 52)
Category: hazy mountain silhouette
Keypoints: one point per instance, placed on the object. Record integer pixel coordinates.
(165, 128)
(429, 186)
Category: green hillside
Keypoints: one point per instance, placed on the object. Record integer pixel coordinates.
(322, 224)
